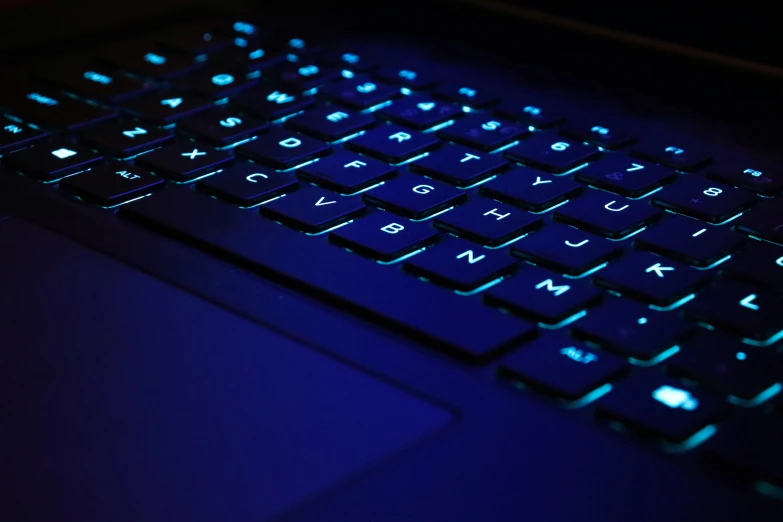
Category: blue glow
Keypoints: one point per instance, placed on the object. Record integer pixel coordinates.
(407, 75)
(646, 194)
(590, 397)
(758, 399)
(255, 55)
(322, 232)
(238, 143)
(411, 160)
(244, 28)
(467, 109)
(481, 288)
(772, 340)
(350, 58)
(713, 265)
(467, 91)
(288, 117)
(350, 137)
(433, 215)
(300, 165)
(741, 356)
(198, 178)
(675, 398)
(580, 167)
(376, 107)
(43, 100)
(658, 358)
(63, 153)
(129, 201)
(629, 235)
(296, 43)
(504, 245)
(564, 322)
(770, 490)
(292, 58)
(588, 273)
(345, 73)
(280, 97)
(406, 91)
(403, 258)
(240, 42)
(674, 305)
(764, 240)
(693, 441)
(310, 92)
(308, 70)
(13, 129)
(222, 79)
(97, 77)
(476, 184)
(642, 320)
(154, 59)
(550, 208)
(438, 127)
(253, 75)
(172, 102)
(504, 147)
(364, 189)
(200, 58)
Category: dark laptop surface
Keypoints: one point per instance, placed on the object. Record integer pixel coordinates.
(442, 261)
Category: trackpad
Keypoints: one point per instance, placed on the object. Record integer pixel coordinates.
(125, 399)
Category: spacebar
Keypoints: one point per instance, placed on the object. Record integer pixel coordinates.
(461, 326)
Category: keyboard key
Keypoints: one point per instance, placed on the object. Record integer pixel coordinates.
(270, 103)
(330, 124)
(221, 127)
(50, 109)
(419, 112)
(536, 116)
(704, 199)
(727, 365)
(384, 236)
(392, 143)
(759, 264)
(543, 295)
(125, 138)
(459, 166)
(632, 329)
(248, 56)
(184, 161)
(111, 184)
(414, 197)
(682, 158)
(282, 149)
(359, 93)
(764, 221)
(531, 189)
(15, 135)
(346, 172)
(307, 75)
(651, 279)
(460, 265)
(312, 209)
(91, 81)
(600, 135)
(193, 40)
(428, 314)
(357, 62)
(145, 59)
(166, 106)
(562, 367)
(747, 311)
(689, 241)
(565, 249)
(661, 407)
(245, 184)
(483, 132)
(487, 222)
(215, 83)
(767, 181)
(552, 154)
(465, 95)
(405, 77)
(610, 216)
(51, 161)
(624, 176)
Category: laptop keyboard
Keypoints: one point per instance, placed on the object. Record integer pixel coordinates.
(628, 276)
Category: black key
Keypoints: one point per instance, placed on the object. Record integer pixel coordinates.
(215, 83)
(759, 264)
(51, 109)
(565, 249)
(166, 106)
(248, 56)
(600, 135)
(272, 103)
(536, 116)
(413, 79)
(531, 189)
(111, 184)
(346, 172)
(144, 59)
(51, 161)
(483, 132)
(359, 93)
(561, 366)
(764, 221)
(306, 75)
(384, 236)
(414, 197)
(750, 447)
(429, 312)
(460, 265)
(767, 181)
(704, 199)
(459, 166)
(690, 241)
(552, 154)
(312, 209)
(611, 216)
(727, 366)
(184, 161)
(487, 222)
(462, 94)
(661, 407)
(652, 279)
(221, 127)
(329, 123)
(747, 311)
(543, 295)
(632, 329)
(15, 135)
(194, 40)
(675, 156)
(245, 184)
(125, 138)
(419, 112)
(91, 81)
(351, 60)
(282, 149)
(625, 176)
(392, 143)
